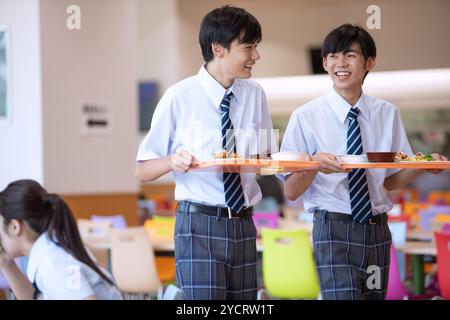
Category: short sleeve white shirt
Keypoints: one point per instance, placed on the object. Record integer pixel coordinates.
(321, 126)
(60, 276)
(188, 117)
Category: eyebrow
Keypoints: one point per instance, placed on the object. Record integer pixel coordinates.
(351, 50)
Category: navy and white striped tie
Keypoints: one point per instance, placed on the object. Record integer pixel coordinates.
(357, 180)
(234, 194)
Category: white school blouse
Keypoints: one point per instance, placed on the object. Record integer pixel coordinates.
(59, 276)
(188, 116)
(321, 126)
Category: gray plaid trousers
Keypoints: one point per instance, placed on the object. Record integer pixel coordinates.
(215, 258)
(352, 259)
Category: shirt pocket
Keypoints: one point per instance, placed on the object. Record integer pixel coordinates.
(248, 139)
(374, 144)
(200, 140)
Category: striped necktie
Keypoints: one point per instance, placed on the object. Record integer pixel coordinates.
(234, 194)
(357, 180)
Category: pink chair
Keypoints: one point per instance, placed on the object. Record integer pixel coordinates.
(446, 228)
(396, 290)
(266, 219)
(443, 263)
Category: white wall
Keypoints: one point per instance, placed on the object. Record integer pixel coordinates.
(414, 33)
(158, 45)
(21, 154)
(93, 65)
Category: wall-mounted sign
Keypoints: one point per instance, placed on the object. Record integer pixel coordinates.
(96, 119)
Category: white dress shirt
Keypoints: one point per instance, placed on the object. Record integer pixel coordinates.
(188, 117)
(60, 276)
(321, 126)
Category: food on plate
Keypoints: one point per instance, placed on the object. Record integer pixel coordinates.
(401, 156)
(419, 156)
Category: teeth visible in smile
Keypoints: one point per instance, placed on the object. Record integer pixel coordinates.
(342, 73)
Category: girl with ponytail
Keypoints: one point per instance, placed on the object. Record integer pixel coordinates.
(41, 226)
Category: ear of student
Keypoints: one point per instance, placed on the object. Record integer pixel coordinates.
(15, 227)
(370, 63)
(324, 63)
(217, 49)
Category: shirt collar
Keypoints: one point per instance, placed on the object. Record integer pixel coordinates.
(36, 254)
(214, 89)
(341, 107)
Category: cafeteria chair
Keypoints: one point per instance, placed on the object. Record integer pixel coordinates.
(439, 197)
(401, 218)
(96, 235)
(161, 229)
(439, 221)
(446, 228)
(172, 292)
(288, 266)
(117, 221)
(133, 263)
(396, 290)
(443, 263)
(4, 285)
(426, 217)
(94, 231)
(398, 232)
(266, 219)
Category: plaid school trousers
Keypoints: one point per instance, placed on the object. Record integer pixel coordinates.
(352, 259)
(215, 257)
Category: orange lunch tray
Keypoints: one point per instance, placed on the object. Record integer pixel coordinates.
(442, 165)
(261, 166)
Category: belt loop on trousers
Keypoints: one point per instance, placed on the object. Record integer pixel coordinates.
(188, 203)
(324, 212)
(218, 214)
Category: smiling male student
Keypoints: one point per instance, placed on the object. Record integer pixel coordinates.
(215, 237)
(351, 236)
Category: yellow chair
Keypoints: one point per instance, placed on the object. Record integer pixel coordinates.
(133, 262)
(442, 217)
(412, 209)
(439, 221)
(161, 229)
(287, 264)
(442, 197)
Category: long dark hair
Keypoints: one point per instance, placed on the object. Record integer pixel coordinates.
(28, 201)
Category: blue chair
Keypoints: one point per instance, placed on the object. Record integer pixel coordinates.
(117, 221)
(4, 285)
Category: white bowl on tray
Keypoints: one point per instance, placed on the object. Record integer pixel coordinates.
(351, 158)
(287, 156)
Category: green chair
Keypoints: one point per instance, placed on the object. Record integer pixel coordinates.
(288, 266)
